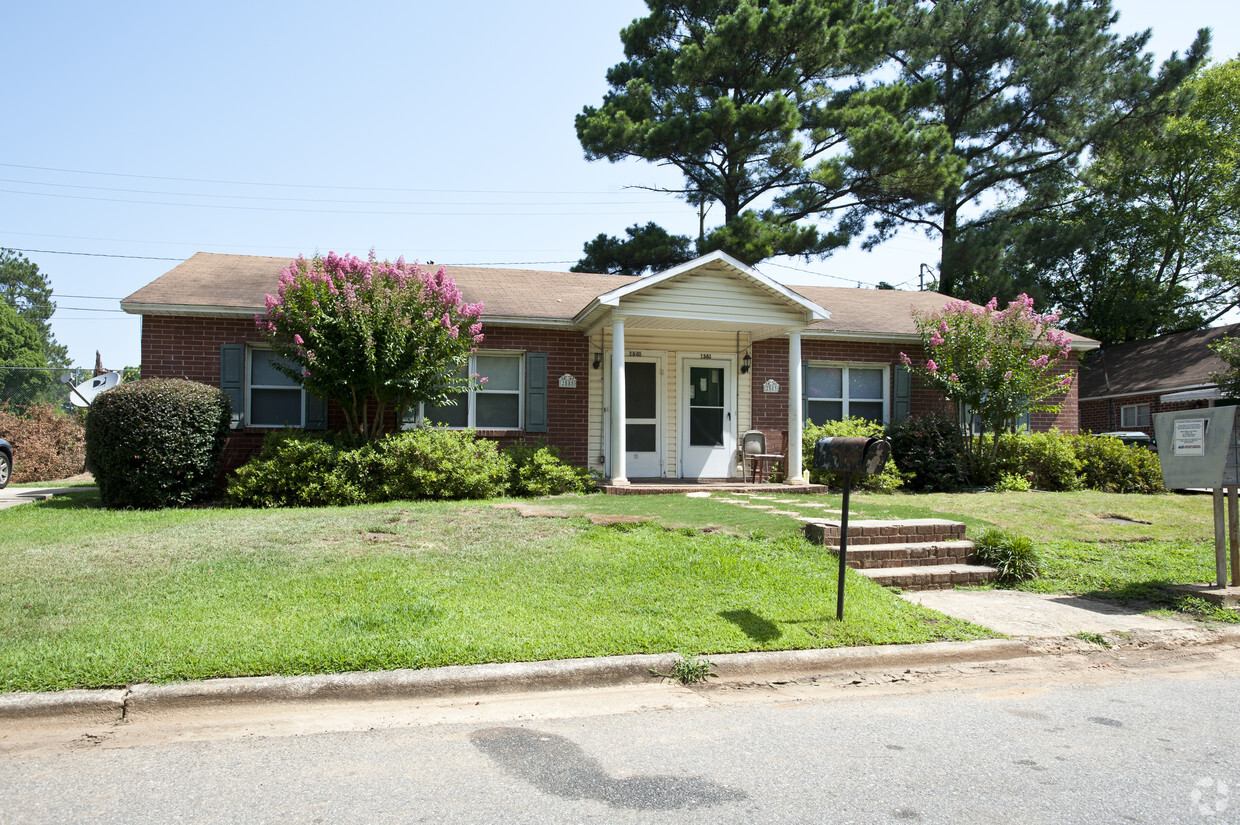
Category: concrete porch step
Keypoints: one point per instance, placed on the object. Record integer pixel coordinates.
(931, 577)
(885, 531)
(907, 555)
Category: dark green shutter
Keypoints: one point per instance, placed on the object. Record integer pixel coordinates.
(316, 412)
(536, 392)
(900, 404)
(232, 380)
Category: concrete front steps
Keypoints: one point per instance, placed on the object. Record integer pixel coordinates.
(912, 554)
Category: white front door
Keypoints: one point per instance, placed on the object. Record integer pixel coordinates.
(707, 418)
(643, 405)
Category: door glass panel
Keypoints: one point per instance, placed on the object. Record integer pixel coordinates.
(640, 438)
(706, 386)
(705, 427)
(865, 384)
(639, 390)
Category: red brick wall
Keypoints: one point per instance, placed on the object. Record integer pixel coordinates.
(189, 347)
(770, 360)
(1101, 415)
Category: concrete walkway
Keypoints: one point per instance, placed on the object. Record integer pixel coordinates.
(13, 496)
(1039, 615)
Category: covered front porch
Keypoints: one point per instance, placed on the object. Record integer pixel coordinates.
(665, 486)
(674, 352)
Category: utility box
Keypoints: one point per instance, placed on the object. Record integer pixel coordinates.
(1198, 448)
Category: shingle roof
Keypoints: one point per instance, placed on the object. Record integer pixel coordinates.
(214, 283)
(1178, 361)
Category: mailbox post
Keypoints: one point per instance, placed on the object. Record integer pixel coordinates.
(848, 457)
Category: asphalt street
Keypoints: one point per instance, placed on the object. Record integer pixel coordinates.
(1134, 735)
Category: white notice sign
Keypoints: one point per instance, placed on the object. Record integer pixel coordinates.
(1189, 437)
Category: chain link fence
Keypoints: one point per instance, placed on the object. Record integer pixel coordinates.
(37, 386)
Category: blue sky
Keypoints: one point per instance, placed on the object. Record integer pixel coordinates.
(441, 132)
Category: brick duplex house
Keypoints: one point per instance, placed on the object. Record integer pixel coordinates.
(650, 377)
(1124, 386)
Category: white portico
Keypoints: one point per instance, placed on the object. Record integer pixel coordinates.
(674, 352)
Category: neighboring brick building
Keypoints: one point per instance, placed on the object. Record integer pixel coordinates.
(1125, 385)
(708, 350)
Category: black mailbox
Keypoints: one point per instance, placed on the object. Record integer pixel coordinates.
(863, 456)
(849, 457)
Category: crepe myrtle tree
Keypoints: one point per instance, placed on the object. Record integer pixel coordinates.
(371, 335)
(995, 365)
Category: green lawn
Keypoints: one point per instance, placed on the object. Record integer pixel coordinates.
(91, 598)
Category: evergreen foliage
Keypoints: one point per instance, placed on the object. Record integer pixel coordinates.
(157, 442)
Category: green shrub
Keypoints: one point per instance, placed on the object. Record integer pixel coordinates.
(929, 451)
(299, 469)
(538, 470)
(438, 463)
(1012, 483)
(888, 481)
(1047, 460)
(156, 442)
(1109, 465)
(1011, 554)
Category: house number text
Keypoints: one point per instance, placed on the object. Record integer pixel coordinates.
(705, 356)
(635, 353)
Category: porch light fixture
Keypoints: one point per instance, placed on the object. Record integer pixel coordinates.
(745, 362)
(598, 359)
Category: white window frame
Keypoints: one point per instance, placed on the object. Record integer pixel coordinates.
(471, 395)
(249, 397)
(845, 366)
(1123, 412)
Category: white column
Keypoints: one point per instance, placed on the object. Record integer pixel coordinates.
(794, 410)
(618, 447)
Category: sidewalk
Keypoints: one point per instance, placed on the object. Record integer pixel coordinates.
(13, 496)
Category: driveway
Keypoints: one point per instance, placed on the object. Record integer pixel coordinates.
(13, 496)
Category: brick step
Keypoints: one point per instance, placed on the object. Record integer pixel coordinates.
(935, 577)
(885, 531)
(907, 555)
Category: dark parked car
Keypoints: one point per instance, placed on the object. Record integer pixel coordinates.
(1134, 438)
(6, 463)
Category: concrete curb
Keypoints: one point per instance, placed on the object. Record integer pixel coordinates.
(115, 705)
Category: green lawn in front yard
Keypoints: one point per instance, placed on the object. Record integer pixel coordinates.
(92, 598)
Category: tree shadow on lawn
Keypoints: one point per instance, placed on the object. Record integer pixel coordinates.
(752, 625)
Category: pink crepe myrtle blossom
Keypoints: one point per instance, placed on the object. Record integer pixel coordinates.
(931, 366)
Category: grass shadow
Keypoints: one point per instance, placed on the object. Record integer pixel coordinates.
(752, 625)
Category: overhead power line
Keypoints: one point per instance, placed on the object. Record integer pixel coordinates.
(323, 200)
(318, 185)
(96, 254)
(320, 211)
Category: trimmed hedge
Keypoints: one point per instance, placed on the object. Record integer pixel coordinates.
(299, 469)
(156, 442)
